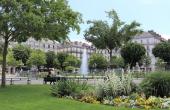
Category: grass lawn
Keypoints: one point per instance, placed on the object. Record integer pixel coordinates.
(37, 97)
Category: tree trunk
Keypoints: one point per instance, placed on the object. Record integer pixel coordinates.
(3, 83)
(110, 55)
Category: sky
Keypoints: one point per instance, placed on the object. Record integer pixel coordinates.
(151, 14)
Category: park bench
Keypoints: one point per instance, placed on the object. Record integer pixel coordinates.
(53, 79)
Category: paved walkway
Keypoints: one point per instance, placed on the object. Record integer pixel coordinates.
(40, 81)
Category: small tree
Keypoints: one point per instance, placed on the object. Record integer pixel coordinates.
(11, 61)
(51, 61)
(98, 61)
(37, 59)
(146, 61)
(117, 62)
(132, 53)
(73, 61)
(62, 60)
(22, 53)
(162, 50)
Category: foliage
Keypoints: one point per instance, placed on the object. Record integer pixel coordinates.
(139, 101)
(98, 61)
(0, 59)
(37, 58)
(132, 53)
(114, 86)
(11, 61)
(68, 88)
(51, 59)
(22, 53)
(61, 60)
(104, 36)
(160, 64)
(21, 19)
(162, 50)
(146, 60)
(89, 99)
(117, 62)
(72, 61)
(1, 46)
(69, 69)
(156, 84)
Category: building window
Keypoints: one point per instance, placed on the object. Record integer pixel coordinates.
(147, 48)
(141, 41)
(44, 45)
(48, 46)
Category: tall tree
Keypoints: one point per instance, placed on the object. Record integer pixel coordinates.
(22, 53)
(21, 19)
(110, 37)
(132, 53)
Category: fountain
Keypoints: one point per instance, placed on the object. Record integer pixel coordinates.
(84, 63)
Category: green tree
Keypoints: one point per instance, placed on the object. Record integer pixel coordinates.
(97, 61)
(117, 62)
(110, 37)
(51, 61)
(146, 61)
(62, 60)
(11, 61)
(21, 19)
(72, 61)
(132, 53)
(162, 50)
(37, 58)
(22, 53)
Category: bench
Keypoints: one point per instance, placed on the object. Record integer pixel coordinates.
(53, 79)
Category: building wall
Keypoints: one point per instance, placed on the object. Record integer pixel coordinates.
(149, 41)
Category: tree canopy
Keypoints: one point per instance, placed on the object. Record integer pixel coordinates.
(98, 61)
(22, 53)
(61, 60)
(11, 61)
(110, 37)
(21, 19)
(51, 59)
(37, 58)
(117, 62)
(72, 61)
(162, 50)
(132, 53)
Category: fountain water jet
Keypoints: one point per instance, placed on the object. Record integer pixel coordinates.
(84, 63)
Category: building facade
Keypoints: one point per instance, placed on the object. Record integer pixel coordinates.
(149, 40)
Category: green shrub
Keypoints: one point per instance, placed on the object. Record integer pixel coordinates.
(69, 88)
(114, 86)
(156, 84)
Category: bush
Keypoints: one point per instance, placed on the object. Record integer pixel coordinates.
(114, 86)
(156, 84)
(69, 88)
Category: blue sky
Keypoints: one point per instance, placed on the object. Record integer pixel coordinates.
(152, 14)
